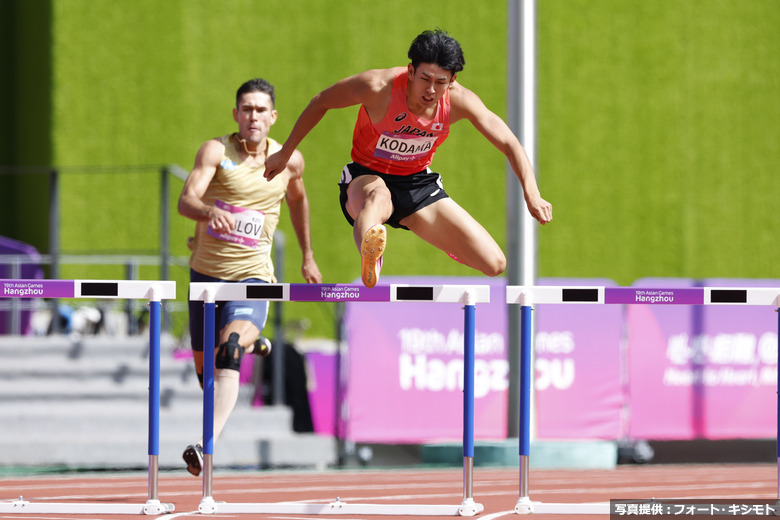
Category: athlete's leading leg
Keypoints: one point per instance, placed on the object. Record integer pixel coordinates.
(446, 225)
(369, 204)
(234, 339)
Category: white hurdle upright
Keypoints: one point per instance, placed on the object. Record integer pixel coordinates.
(469, 295)
(155, 292)
(528, 296)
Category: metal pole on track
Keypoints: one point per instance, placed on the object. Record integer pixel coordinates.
(153, 505)
(521, 227)
(524, 501)
(468, 507)
(154, 396)
(207, 504)
(468, 403)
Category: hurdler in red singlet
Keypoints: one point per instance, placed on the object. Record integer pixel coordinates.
(402, 143)
(389, 180)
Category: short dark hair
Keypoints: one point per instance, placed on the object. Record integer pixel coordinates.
(256, 85)
(437, 47)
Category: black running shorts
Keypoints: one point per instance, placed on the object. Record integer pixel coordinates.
(409, 193)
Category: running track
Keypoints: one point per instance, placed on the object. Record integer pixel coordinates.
(496, 489)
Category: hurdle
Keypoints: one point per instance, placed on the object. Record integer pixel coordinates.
(155, 292)
(528, 296)
(469, 295)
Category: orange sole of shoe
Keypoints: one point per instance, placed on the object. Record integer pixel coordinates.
(371, 250)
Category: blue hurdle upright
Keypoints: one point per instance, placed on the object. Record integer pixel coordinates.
(155, 292)
(528, 296)
(209, 293)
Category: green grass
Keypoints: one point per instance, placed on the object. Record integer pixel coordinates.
(658, 124)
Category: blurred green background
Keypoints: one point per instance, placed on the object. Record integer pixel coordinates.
(658, 126)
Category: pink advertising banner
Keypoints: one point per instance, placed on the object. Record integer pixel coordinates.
(702, 371)
(404, 377)
(679, 370)
(405, 368)
(578, 392)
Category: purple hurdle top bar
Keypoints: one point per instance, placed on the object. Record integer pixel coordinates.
(37, 288)
(338, 293)
(634, 295)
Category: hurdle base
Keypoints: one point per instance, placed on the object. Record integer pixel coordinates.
(470, 508)
(207, 506)
(21, 506)
(467, 508)
(155, 507)
(525, 506)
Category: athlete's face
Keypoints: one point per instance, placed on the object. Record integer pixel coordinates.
(254, 114)
(428, 83)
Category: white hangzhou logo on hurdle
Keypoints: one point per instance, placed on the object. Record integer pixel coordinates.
(654, 296)
(339, 292)
(22, 289)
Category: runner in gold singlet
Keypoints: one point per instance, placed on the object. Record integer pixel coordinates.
(236, 213)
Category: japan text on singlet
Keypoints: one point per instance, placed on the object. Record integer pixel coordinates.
(255, 204)
(402, 143)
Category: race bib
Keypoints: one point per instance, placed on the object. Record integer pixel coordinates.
(249, 225)
(403, 147)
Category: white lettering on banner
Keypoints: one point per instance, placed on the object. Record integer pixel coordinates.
(432, 341)
(421, 372)
(768, 376)
(555, 373)
(767, 349)
(559, 342)
(740, 348)
(552, 371)
(674, 376)
(737, 349)
(719, 376)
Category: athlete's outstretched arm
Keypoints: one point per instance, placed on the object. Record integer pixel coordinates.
(362, 88)
(467, 105)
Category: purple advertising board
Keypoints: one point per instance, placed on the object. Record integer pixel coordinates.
(405, 368)
(702, 371)
(577, 382)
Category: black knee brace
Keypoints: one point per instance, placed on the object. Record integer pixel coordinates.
(230, 353)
